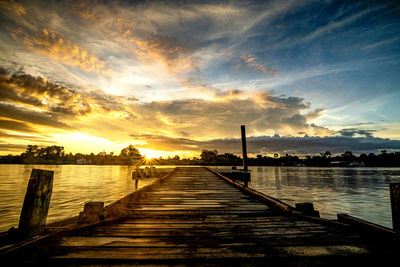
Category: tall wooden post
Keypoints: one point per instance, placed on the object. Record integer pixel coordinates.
(395, 203)
(244, 147)
(36, 203)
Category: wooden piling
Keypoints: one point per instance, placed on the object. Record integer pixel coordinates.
(36, 203)
(307, 208)
(92, 212)
(395, 203)
(244, 147)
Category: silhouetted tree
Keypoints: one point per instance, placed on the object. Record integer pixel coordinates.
(130, 151)
(208, 156)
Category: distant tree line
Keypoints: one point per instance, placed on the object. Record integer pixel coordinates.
(56, 155)
(326, 159)
(131, 155)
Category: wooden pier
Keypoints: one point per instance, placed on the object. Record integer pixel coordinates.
(195, 216)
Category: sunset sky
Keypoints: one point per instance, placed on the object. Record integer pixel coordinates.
(178, 77)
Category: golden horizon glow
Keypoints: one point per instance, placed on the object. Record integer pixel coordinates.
(173, 79)
(150, 153)
(78, 142)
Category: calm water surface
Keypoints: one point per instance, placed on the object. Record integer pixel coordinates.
(361, 192)
(73, 186)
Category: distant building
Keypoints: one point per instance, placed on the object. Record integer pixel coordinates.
(357, 164)
(82, 161)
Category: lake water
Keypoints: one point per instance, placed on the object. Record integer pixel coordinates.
(361, 192)
(73, 186)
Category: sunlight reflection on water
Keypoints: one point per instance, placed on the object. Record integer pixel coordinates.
(361, 192)
(73, 186)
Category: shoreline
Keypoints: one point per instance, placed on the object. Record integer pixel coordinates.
(216, 165)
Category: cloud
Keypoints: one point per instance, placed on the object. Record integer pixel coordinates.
(250, 63)
(379, 43)
(22, 88)
(200, 119)
(16, 126)
(176, 58)
(55, 46)
(12, 147)
(197, 119)
(274, 144)
(25, 88)
(175, 39)
(340, 18)
(33, 100)
(336, 24)
(353, 131)
(28, 90)
(168, 69)
(166, 143)
(23, 138)
(13, 7)
(35, 117)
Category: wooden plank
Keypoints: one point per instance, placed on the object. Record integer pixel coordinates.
(162, 253)
(215, 219)
(195, 215)
(142, 242)
(226, 225)
(223, 252)
(208, 241)
(374, 230)
(185, 223)
(199, 232)
(314, 251)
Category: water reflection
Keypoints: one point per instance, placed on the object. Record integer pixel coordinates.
(362, 192)
(73, 186)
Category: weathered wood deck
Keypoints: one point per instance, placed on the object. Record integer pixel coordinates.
(195, 217)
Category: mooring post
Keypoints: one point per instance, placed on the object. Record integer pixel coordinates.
(92, 212)
(395, 203)
(244, 147)
(36, 203)
(307, 208)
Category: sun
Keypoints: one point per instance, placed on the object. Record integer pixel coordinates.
(150, 153)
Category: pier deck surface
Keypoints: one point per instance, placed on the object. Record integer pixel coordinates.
(195, 217)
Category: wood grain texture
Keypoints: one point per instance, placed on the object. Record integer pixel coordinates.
(196, 216)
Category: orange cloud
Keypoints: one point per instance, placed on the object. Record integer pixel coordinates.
(250, 61)
(146, 46)
(53, 45)
(162, 49)
(13, 6)
(83, 10)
